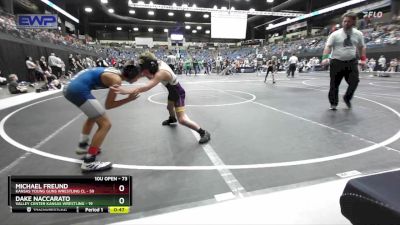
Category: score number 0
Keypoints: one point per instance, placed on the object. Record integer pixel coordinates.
(121, 200)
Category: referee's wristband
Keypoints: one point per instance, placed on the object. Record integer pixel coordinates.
(326, 56)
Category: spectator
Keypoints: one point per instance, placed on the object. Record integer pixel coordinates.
(205, 65)
(171, 61)
(278, 65)
(381, 64)
(395, 10)
(43, 64)
(61, 66)
(218, 64)
(31, 67)
(78, 61)
(393, 65)
(209, 65)
(49, 77)
(180, 66)
(372, 64)
(101, 63)
(54, 64)
(3, 80)
(293, 60)
(195, 66)
(52, 82)
(39, 72)
(188, 66)
(72, 64)
(55, 84)
(14, 87)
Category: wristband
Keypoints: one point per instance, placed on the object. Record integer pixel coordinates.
(326, 56)
(363, 58)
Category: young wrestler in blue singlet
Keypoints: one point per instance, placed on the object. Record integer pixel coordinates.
(159, 72)
(78, 92)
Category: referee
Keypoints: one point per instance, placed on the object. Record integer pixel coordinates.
(341, 47)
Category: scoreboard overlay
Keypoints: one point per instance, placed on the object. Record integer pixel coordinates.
(70, 194)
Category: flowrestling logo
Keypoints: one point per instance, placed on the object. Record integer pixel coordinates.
(37, 21)
(373, 14)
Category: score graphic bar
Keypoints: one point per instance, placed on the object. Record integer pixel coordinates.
(70, 194)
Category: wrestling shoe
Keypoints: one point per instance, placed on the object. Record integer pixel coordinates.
(95, 166)
(205, 137)
(169, 121)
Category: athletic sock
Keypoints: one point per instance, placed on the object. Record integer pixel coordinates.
(89, 158)
(92, 152)
(84, 138)
(201, 131)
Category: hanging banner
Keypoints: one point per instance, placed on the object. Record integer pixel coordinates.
(296, 26)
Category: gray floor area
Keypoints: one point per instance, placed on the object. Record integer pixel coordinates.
(284, 138)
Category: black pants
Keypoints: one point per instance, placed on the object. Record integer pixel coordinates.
(395, 8)
(338, 70)
(269, 69)
(31, 76)
(292, 69)
(39, 76)
(56, 71)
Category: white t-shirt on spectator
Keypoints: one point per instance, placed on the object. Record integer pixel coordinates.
(53, 61)
(171, 60)
(293, 59)
(30, 64)
(382, 61)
